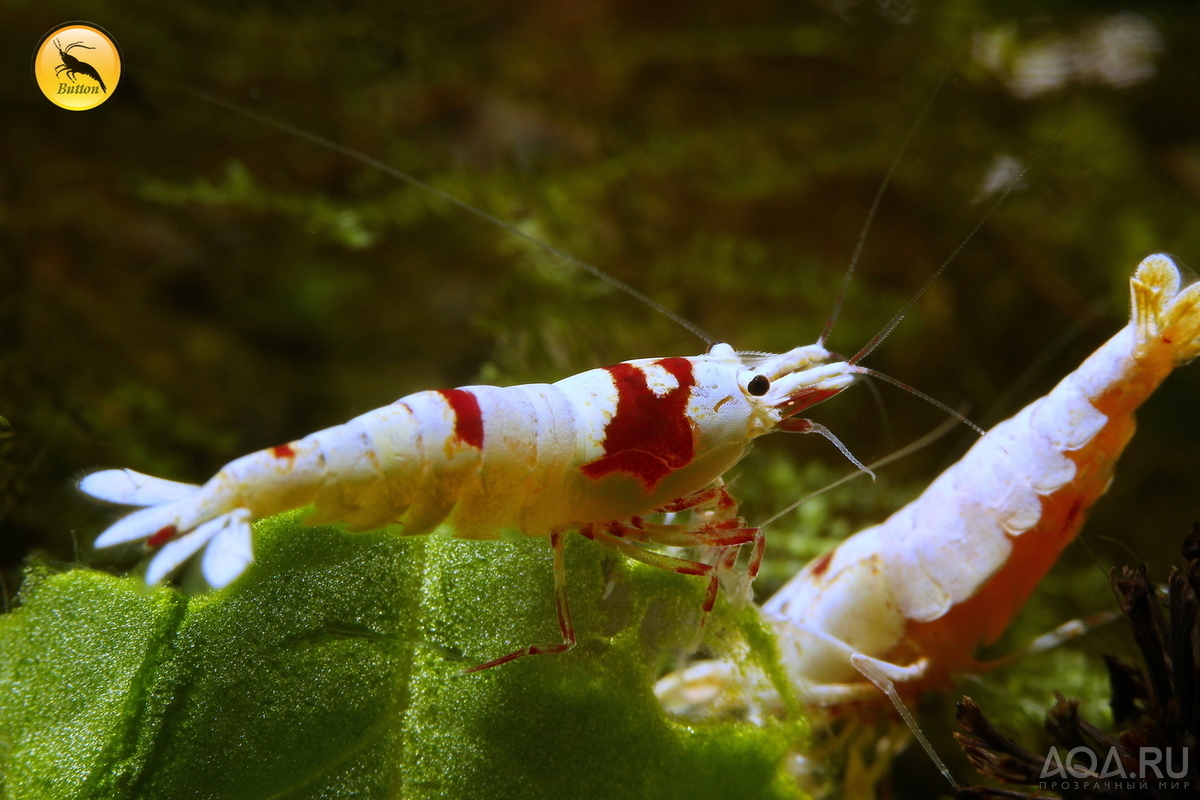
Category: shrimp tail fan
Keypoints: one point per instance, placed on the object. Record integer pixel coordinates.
(227, 536)
(1164, 315)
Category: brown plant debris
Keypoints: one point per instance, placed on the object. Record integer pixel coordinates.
(1155, 706)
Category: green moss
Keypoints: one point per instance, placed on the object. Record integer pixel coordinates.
(82, 662)
(333, 668)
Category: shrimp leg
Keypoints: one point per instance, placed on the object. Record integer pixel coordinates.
(561, 604)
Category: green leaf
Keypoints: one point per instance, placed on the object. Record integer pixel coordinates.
(333, 669)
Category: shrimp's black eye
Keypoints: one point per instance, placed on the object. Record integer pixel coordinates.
(758, 385)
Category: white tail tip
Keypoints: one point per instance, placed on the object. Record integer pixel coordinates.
(128, 488)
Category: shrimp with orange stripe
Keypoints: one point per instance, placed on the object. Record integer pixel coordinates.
(903, 606)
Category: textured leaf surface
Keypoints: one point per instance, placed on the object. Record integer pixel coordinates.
(334, 669)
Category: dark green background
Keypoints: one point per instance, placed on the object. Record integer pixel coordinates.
(180, 285)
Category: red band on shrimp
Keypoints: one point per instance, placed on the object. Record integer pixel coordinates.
(1072, 513)
(161, 536)
(806, 398)
(821, 564)
(468, 419)
(650, 435)
(283, 451)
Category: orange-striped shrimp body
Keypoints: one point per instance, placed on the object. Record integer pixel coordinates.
(947, 572)
(592, 453)
(907, 603)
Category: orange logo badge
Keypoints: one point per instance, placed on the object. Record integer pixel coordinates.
(77, 66)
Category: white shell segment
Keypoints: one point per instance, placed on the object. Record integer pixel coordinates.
(969, 548)
(510, 450)
(447, 462)
(265, 482)
(1107, 366)
(1067, 419)
(491, 496)
(989, 475)
(347, 451)
(393, 454)
(557, 435)
(393, 434)
(901, 542)
(349, 471)
(809, 602)
(717, 404)
(1043, 466)
(589, 399)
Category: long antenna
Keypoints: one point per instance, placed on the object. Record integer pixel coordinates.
(349, 152)
(895, 320)
(918, 393)
(907, 450)
(887, 180)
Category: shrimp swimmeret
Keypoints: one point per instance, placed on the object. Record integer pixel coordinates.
(592, 453)
(907, 603)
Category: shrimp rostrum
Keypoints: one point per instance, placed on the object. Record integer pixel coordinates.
(594, 453)
(904, 605)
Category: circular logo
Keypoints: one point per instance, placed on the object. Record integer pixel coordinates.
(77, 66)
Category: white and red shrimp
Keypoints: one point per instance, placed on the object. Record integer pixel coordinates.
(597, 453)
(594, 452)
(903, 606)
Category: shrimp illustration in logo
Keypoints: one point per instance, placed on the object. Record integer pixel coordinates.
(72, 66)
(71, 78)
